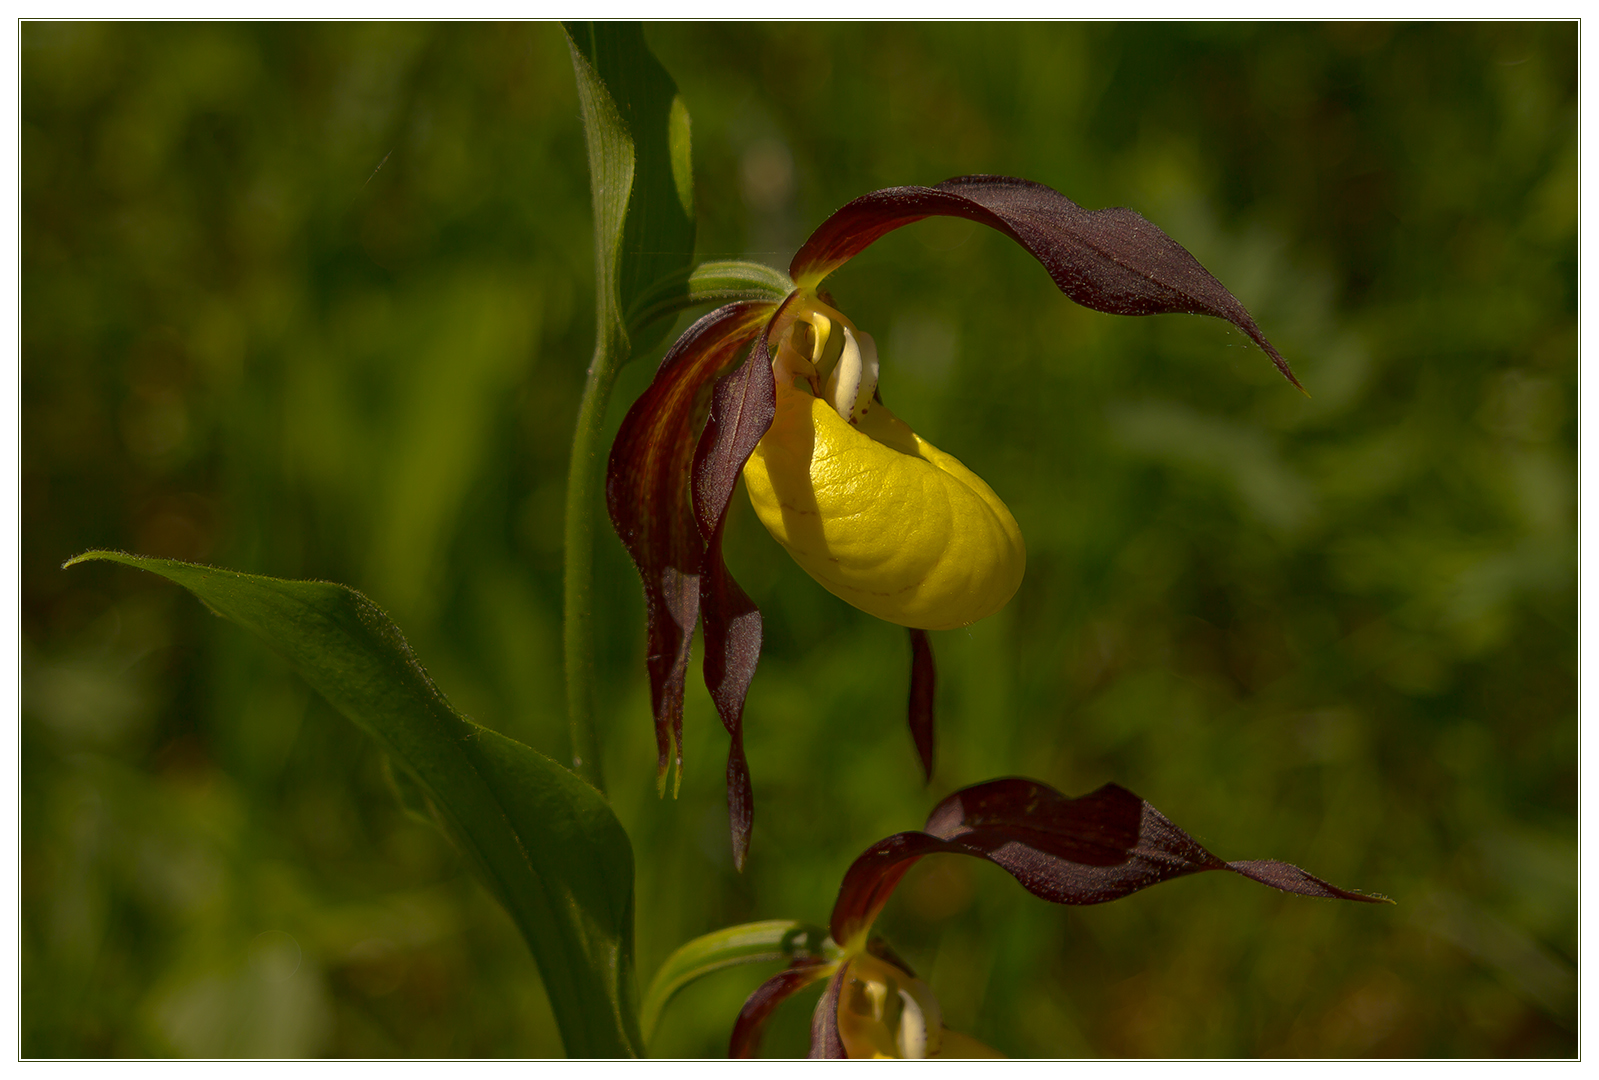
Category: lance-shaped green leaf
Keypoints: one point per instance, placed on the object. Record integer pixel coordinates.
(750, 943)
(637, 128)
(543, 841)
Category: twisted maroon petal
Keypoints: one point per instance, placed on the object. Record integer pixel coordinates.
(742, 407)
(1111, 260)
(751, 1022)
(732, 649)
(647, 494)
(1088, 850)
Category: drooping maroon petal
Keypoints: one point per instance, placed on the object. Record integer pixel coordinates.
(751, 1022)
(732, 649)
(825, 1039)
(647, 494)
(1111, 260)
(742, 406)
(1088, 850)
(923, 680)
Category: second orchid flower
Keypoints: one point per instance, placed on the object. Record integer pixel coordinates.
(1092, 849)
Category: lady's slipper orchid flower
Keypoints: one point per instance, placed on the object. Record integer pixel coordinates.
(876, 514)
(1088, 850)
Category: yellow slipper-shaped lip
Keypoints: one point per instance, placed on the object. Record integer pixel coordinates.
(882, 518)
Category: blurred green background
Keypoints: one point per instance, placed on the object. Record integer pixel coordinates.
(315, 301)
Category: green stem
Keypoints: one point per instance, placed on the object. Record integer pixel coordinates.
(582, 496)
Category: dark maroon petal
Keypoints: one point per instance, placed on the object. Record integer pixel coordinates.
(732, 649)
(647, 494)
(746, 1040)
(742, 407)
(825, 1040)
(1102, 846)
(923, 680)
(1110, 260)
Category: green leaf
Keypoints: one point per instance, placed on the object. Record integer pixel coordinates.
(707, 283)
(543, 841)
(640, 165)
(751, 943)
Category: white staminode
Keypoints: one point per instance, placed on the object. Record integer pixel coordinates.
(853, 380)
(911, 1037)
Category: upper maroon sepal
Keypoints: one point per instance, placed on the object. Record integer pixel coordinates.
(1111, 260)
(872, 878)
(1087, 850)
